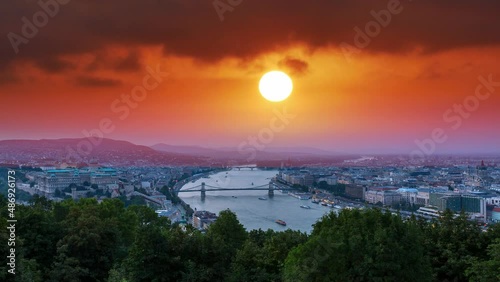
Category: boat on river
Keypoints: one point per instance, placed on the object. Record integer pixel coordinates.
(281, 222)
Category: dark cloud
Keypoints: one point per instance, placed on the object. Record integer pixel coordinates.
(192, 27)
(90, 81)
(129, 63)
(295, 66)
(54, 65)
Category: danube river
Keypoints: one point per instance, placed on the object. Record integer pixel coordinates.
(252, 212)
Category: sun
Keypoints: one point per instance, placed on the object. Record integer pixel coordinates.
(275, 86)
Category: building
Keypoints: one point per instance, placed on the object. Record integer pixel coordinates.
(493, 201)
(59, 179)
(170, 211)
(308, 179)
(430, 211)
(469, 203)
(54, 179)
(104, 176)
(495, 215)
(331, 180)
(75, 194)
(408, 195)
(203, 219)
(128, 188)
(386, 197)
(383, 188)
(298, 178)
(473, 204)
(434, 198)
(355, 191)
(423, 197)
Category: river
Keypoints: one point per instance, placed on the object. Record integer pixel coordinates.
(252, 212)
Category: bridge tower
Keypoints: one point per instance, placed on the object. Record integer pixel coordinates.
(270, 192)
(203, 191)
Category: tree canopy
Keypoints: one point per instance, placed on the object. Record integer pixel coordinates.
(89, 241)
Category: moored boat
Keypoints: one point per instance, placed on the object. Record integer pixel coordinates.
(305, 207)
(262, 198)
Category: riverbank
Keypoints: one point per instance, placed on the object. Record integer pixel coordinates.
(185, 208)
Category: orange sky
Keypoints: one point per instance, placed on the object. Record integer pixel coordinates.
(379, 100)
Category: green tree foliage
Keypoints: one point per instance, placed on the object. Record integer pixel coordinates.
(40, 232)
(266, 253)
(90, 244)
(228, 231)
(360, 246)
(488, 269)
(302, 188)
(165, 190)
(452, 243)
(89, 241)
(152, 257)
(135, 200)
(226, 236)
(29, 271)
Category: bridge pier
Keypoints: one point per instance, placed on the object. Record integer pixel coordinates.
(270, 192)
(203, 191)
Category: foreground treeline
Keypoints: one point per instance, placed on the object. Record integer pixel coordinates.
(87, 241)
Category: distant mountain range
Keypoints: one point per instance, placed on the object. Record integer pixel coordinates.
(246, 152)
(117, 152)
(187, 150)
(81, 150)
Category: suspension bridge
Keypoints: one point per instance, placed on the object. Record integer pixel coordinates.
(203, 188)
(244, 167)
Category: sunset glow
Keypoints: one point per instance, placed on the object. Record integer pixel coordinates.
(379, 97)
